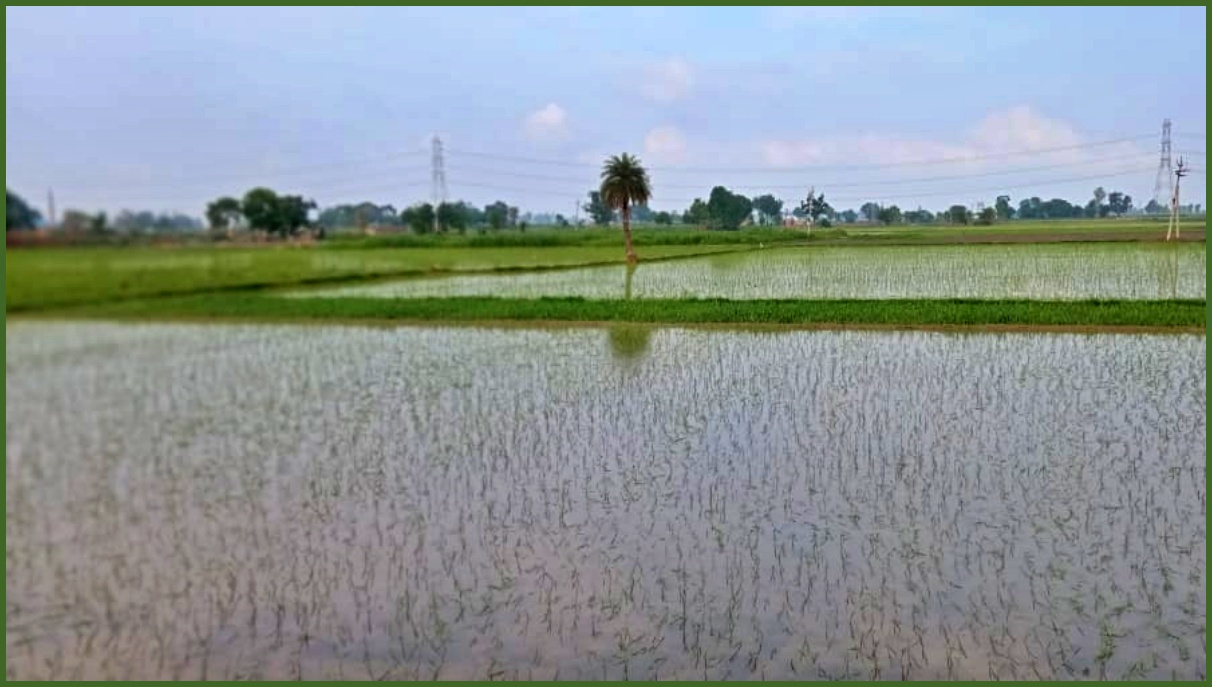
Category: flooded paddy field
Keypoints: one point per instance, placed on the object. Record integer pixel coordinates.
(206, 501)
(1038, 271)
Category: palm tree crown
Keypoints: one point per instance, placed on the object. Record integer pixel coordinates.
(625, 182)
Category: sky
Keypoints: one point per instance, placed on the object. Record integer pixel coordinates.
(167, 108)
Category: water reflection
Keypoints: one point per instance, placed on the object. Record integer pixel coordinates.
(629, 342)
(344, 503)
(629, 273)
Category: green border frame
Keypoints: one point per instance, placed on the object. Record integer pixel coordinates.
(899, 2)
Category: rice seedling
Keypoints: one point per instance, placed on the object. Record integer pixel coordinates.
(412, 503)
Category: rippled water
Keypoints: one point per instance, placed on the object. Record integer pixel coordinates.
(281, 502)
(1048, 271)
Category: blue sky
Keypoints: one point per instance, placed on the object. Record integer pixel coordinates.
(167, 108)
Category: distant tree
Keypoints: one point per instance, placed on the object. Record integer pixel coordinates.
(1031, 208)
(1153, 207)
(821, 209)
(1059, 208)
(260, 208)
(18, 214)
(224, 213)
(601, 213)
(663, 217)
(727, 210)
(958, 214)
(769, 209)
(359, 215)
(1119, 203)
(99, 224)
(986, 216)
(890, 215)
(497, 215)
(143, 221)
(870, 211)
(848, 216)
(919, 216)
(697, 214)
(419, 218)
(461, 215)
(511, 216)
(1004, 210)
(1099, 209)
(293, 213)
(642, 213)
(76, 221)
(561, 221)
(814, 208)
(452, 216)
(625, 184)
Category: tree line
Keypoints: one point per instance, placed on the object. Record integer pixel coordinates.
(20, 215)
(265, 210)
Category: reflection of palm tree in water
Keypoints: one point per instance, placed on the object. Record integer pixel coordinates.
(1168, 273)
(629, 341)
(627, 281)
(1174, 273)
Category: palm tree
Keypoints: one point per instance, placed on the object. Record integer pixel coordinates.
(624, 184)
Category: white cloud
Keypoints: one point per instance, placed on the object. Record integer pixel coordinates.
(547, 123)
(1021, 128)
(1017, 129)
(665, 145)
(865, 149)
(668, 81)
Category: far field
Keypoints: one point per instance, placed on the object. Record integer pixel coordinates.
(49, 277)
(986, 271)
(853, 276)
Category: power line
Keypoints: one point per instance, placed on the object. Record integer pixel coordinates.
(860, 184)
(353, 185)
(915, 194)
(291, 172)
(800, 169)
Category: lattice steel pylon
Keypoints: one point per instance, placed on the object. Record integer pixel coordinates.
(1164, 171)
(438, 190)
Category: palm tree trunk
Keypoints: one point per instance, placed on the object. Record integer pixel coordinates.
(632, 258)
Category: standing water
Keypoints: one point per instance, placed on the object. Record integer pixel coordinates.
(339, 502)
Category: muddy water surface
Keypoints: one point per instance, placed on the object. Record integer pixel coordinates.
(307, 502)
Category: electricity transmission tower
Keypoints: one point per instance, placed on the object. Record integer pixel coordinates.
(1178, 181)
(50, 207)
(438, 190)
(1163, 168)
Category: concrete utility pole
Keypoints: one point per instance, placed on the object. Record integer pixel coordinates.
(1179, 173)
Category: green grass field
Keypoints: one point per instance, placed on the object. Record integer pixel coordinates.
(594, 237)
(216, 281)
(652, 235)
(1175, 314)
(53, 277)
